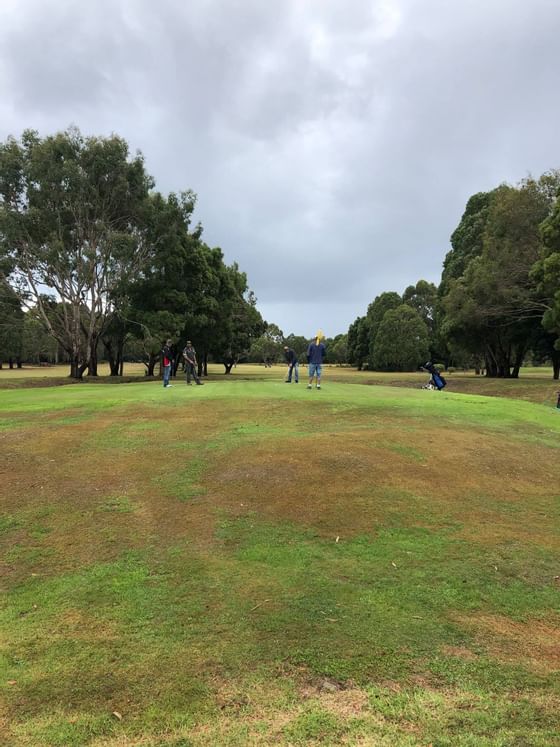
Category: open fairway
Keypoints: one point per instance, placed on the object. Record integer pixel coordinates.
(534, 385)
(252, 563)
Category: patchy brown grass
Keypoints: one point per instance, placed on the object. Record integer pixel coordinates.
(349, 483)
(338, 474)
(339, 481)
(534, 643)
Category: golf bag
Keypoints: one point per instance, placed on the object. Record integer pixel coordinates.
(436, 379)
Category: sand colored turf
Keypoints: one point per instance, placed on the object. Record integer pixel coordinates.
(252, 563)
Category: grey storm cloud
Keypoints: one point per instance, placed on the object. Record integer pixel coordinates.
(332, 143)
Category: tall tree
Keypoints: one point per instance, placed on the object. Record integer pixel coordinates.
(467, 239)
(72, 221)
(491, 308)
(358, 342)
(176, 286)
(11, 325)
(401, 343)
(375, 313)
(546, 273)
(422, 297)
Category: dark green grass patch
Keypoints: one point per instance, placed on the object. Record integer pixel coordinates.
(184, 483)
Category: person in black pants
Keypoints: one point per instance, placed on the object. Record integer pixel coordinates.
(293, 365)
(189, 355)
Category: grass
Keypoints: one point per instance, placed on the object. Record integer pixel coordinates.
(254, 564)
(534, 385)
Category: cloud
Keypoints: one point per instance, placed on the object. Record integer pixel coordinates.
(332, 144)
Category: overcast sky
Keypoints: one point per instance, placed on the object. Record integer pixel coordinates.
(332, 143)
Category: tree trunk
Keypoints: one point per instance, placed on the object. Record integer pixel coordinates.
(228, 361)
(92, 363)
(205, 367)
(517, 363)
(153, 359)
(11, 362)
(111, 358)
(556, 364)
(19, 363)
(77, 370)
(491, 366)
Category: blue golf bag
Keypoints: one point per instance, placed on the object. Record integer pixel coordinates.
(436, 380)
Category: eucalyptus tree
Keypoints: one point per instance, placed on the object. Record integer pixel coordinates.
(72, 215)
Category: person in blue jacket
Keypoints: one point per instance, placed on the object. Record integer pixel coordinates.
(293, 365)
(315, 355)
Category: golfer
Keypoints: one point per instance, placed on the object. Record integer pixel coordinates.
(293, 365)
(315, 355)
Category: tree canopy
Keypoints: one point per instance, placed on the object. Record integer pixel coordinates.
(100, 256)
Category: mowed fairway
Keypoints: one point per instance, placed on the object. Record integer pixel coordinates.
(252, 563)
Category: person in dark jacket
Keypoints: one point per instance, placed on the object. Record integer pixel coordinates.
(167, 362)
(293, 365)
(315, 355)
(189, 356)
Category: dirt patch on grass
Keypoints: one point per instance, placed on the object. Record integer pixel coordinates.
(461, 652)
(535, 643)
(52, 480)
(346, 702)
(350, 483)
(346, 473)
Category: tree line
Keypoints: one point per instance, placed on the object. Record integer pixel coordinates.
(94, 255)
(498, 300)
(94, 261)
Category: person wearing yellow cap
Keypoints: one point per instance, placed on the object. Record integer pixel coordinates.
(315, 355)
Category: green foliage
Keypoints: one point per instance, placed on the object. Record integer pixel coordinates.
(493, 309)
(402, 342)
(546, 272)
(38, 345)
(374, 317)
(467, 239)
(11, 323)
(358, 342)
(77, 217)
(71, 211)
(423, 298)
(269, 346)
(337, 349)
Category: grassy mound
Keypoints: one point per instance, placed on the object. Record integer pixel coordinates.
(251, 563)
